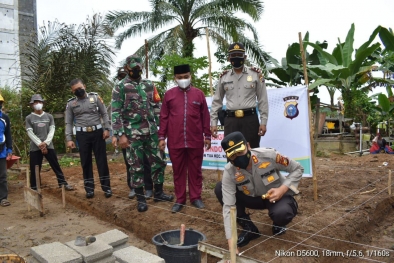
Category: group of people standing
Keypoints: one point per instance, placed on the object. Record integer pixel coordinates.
(143, 125)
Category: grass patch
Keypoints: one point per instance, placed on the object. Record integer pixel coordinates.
(69, 161)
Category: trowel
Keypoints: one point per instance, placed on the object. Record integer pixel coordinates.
(81, 241)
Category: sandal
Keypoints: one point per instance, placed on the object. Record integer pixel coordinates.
(5, 202)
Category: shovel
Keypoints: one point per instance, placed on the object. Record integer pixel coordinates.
(84, 241)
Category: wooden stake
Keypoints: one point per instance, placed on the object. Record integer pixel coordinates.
(28, 185)
(38, 183)
(210, 78)
(389, 183)
(317, 119)
(314, 176)
(146, 59)
(234, 236)
(64, 195)
(209, 61)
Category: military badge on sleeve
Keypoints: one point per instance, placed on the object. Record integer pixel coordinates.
(283, 160)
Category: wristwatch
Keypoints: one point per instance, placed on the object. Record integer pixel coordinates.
(120, 134)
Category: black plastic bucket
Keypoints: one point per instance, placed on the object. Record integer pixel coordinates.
(168, 249)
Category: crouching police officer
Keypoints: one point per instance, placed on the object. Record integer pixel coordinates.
(250, 176)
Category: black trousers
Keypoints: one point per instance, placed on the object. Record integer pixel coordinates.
(281, 213)
(3, 179)
(147, 172)
(36, 158)
(248, 126)
(89, 141)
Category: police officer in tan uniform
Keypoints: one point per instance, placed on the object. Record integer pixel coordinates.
(252, 179)
(87, 109)
(241, 85)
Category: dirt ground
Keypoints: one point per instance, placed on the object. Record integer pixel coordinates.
(352, 219)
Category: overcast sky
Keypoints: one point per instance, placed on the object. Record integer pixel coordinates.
(278, 27)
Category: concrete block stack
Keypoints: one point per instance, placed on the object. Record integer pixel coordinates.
(109, 247)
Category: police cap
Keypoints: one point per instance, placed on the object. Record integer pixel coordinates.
(236, 47)
(234, 143)
(36, 97)
(133, 61)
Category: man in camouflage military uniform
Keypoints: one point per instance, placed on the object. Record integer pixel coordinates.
(252, 180)
(122, 73)
(135, 117)
(87, 109)
(241, 85)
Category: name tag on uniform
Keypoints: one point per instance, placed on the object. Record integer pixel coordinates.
(91, 100)
(249, 78)
(269, 179)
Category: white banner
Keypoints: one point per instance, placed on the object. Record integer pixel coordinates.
(287, 129)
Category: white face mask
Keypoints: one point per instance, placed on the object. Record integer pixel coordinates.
(38, 106)
(183, 83)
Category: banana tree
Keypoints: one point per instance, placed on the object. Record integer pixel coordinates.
(341, 71)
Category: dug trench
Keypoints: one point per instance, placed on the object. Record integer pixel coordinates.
(353, 212)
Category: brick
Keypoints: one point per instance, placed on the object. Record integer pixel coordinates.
(132, 255)
(55, 252)
(113, 237)
(110, 259)
(93, 252)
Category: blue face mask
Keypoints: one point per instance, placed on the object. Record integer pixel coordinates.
(242, 161)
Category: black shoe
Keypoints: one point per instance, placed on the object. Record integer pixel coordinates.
(198, 203)
(148, 194)
(108, 193)
(68, 187)
(278, 230)
(177, 207)
(89, 194)
(249, 231)
(162, 197)
(142, 206)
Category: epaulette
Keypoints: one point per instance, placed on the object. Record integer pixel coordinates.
(258, 71)
(93, 93)
(255, 69)
(223, 73)
(73, 98)
(149, 82)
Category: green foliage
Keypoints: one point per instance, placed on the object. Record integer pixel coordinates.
(63, 52)
(165, 67)
(13, 108)
(66, 161)
(176, 23)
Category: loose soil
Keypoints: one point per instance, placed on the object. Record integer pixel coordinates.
(353, 215)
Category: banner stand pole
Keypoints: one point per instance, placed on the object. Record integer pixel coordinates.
(314, 176)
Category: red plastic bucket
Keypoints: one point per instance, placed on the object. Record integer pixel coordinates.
(13, 160)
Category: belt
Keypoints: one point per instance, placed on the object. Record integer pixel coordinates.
(89, 128)
(240, 113)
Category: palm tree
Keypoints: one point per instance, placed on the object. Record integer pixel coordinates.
(62, 52)
(181, 21)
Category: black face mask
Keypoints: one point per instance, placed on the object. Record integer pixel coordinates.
(1, 105)
(135, 73)
(237, 62)
(242, 161)
(79, 93)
